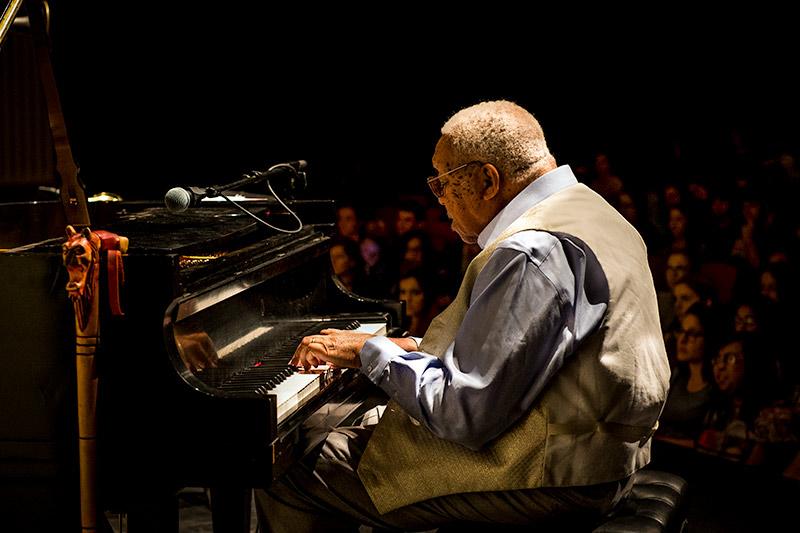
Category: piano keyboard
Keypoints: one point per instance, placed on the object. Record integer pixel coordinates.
(271, 375)
(296, 389)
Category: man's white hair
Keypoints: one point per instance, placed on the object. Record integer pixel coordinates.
(502, 133)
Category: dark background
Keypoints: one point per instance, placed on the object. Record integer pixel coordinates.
(172, 97)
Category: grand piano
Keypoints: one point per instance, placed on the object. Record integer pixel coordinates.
(168, 417)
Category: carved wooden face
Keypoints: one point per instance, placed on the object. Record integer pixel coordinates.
(78, 253)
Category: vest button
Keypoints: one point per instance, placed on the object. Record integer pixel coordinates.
(414, 420)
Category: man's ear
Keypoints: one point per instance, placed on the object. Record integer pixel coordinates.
(490, 181)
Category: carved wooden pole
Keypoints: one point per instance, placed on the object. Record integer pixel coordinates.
(81, 254)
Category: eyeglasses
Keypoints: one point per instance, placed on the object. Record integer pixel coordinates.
(437, 187)
(729, 359)
(690, 334)
(744, 321)
(677, 268)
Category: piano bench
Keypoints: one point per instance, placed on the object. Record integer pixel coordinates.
(656, 504)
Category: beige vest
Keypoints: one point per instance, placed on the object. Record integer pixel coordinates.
(592, 422)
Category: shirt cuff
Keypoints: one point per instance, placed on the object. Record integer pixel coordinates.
(376, 355)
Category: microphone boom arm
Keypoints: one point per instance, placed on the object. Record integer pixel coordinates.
(295, 167)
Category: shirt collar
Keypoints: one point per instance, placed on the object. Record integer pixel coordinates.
(536, 191)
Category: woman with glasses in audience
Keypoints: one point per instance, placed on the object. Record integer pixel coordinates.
(686, 293)
(742, 387)
(690, 390)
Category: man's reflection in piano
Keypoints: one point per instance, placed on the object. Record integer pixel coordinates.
(197, 350)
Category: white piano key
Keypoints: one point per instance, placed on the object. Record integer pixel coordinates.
(293, 392)
(378, 328)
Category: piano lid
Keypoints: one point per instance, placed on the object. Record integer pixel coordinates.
(37, 202)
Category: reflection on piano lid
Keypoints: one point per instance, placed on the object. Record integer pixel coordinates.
(260, 357)
(257, 363)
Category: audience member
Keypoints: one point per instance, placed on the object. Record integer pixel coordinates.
(416, 252)
(751, 233)
(408, 218)
(348, 266)
(681, 237)
(742, 388)
(415, 291)
(629, 208)
(605, 182)
(686, 293)
(690, 390)
(378, 276)
(347, 223)
(677, 270)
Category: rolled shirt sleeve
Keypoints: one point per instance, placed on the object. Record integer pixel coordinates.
(519, 328)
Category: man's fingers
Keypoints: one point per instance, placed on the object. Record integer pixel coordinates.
(320, 344)
(295, 361)
(311, 352)
(300, 354)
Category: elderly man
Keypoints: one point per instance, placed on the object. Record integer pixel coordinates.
(532, 398)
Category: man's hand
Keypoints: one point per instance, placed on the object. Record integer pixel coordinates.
(406, 343)
(197, 351)
(337, 347)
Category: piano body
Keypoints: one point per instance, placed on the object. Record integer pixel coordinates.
(168, 416)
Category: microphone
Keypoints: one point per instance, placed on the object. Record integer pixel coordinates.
(179, 199)
(298, 166)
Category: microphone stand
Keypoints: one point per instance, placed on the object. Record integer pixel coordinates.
(254, 177)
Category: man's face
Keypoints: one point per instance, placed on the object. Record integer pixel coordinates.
(745, 319)
(677, 222)
(691, 339)
(769, 286)
(370, 251)
(728, 367)
(461, 198)
(414, 253)
(677, 269)
(406, 221)
(627, 208)
(347, 221)
(685, 297)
